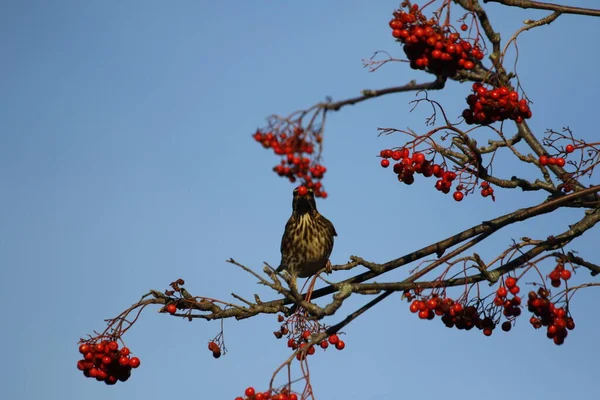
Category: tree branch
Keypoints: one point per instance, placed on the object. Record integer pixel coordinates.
(547, 6)
(439, 83)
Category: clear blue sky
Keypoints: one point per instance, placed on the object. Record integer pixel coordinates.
(126, 162)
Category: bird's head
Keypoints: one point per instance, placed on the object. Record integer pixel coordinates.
(304, 200)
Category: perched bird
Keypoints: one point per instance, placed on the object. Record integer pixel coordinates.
(308, 237)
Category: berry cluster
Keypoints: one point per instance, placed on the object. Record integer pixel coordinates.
(545, 160)
(251, 394)
(295, 147)
(511, 307)
(454, 315)
(215, 348)
(105, 362)
(545, 313)
(430, 46)
(407, 165)
(487, 190)
(300, 335)
(487, 106)
(559, 272)
(559, 161)
(303, 342)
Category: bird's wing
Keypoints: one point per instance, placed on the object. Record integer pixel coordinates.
(330, 226)
(285, 242)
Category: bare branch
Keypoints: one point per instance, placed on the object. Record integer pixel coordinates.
(439, 83)
(547, 6)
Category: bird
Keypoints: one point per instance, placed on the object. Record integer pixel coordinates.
(307, 239)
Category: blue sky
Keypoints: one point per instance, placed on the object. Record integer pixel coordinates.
(126, 162)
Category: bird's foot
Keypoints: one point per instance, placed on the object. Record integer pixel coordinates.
(328, 267)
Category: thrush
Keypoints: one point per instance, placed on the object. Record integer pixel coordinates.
(307, 239)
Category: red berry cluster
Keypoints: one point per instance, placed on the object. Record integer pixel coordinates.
(408, 165)
(105, 362)
(545, 160)
(302, 342)
(495, 104)
(559, 161)
(251, 394)
(511, 307)
(487, 190)
(545, 313)
(296, 148)
(559, 272)
(428, 45)
(453, 314)
(215, 348)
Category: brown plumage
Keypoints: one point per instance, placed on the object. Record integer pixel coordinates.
(308, 238)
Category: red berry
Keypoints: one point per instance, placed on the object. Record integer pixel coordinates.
(431, 304)
(340, 345)
(414, 306)
(418, 158)
(171, 308)
(123, 361)
(302, 191)
(306, 335)
(570, 148)
(458, 196)
(554, 275)
(385, 163)
(324, 344)
(543, 160)
(565, 274)
(502, 292)
(464, 27)
(134, 362)
(250, 392)
(510, 282)
(333, 339)
(560, 162)
(84, 348)
(106, 360)
(515, 289)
